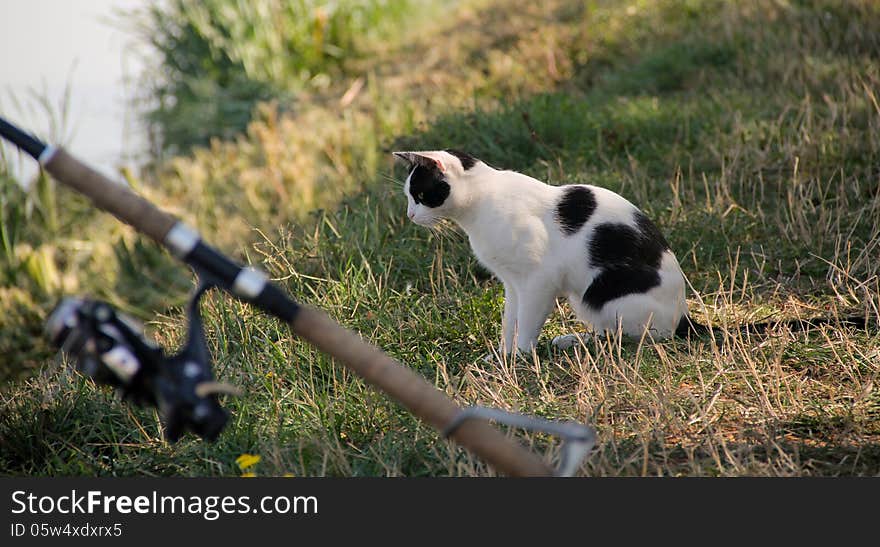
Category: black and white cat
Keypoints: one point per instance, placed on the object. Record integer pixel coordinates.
(583, 242)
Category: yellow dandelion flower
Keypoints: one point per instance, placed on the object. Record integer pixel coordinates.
(247, 460)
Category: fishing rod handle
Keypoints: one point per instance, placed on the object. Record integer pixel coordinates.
(113, 197)
(423, 399)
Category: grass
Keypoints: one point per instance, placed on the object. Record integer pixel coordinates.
(217, 59)
(747, 130)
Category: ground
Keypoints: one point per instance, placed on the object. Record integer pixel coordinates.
(747, 130)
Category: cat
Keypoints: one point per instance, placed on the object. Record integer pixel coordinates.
(582, 242)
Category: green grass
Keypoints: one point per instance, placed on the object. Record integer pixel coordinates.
(747, 130)
(218, 59)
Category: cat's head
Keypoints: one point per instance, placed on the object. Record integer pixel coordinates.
(434, 187)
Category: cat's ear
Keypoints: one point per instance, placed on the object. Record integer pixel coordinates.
(426, 159)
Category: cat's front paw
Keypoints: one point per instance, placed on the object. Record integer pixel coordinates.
(567, 341)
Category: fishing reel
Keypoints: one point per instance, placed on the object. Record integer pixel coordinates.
(110, 348)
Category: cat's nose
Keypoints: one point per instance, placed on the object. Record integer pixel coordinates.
(411, 214)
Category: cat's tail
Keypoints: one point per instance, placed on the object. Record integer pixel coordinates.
(687, 326)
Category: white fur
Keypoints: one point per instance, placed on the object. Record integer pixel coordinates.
(510, 219)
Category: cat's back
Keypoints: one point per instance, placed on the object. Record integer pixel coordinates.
(521, 207)
(517, 188)
(582, 206)
(513, 205)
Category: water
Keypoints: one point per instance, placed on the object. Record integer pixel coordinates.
(47, 46)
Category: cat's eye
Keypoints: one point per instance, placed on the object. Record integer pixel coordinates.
(421, 196)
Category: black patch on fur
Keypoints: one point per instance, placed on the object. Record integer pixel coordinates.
(575, 208)
(628, 257)
(427, 186)
(467, 161)
(655, 241)
(614, 283)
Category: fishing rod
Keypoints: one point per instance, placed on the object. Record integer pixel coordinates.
(111, 350)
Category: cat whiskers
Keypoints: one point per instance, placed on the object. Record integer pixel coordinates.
(389, 178)
(447, 231)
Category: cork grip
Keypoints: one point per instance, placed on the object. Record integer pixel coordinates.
(421, 398)
(115, 198)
